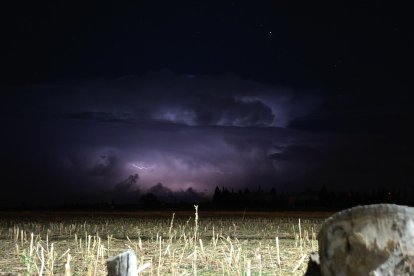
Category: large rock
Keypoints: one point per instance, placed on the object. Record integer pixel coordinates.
(368, 240)
(124, 264)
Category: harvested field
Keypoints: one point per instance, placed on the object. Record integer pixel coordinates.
(166, 243)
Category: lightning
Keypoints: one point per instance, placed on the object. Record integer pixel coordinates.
(142, 167)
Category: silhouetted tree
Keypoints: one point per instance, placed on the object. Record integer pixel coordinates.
(217, 196)
(149, 200)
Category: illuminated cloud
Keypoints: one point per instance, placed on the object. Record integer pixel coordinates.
(190, 134)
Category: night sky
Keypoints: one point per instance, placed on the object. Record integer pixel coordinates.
(112, 99)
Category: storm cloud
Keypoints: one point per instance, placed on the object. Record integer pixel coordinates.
(225, 100)
(186, 132)
(190, 133)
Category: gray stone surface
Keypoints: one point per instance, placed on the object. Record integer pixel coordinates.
(368, 240)
(124, 264)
